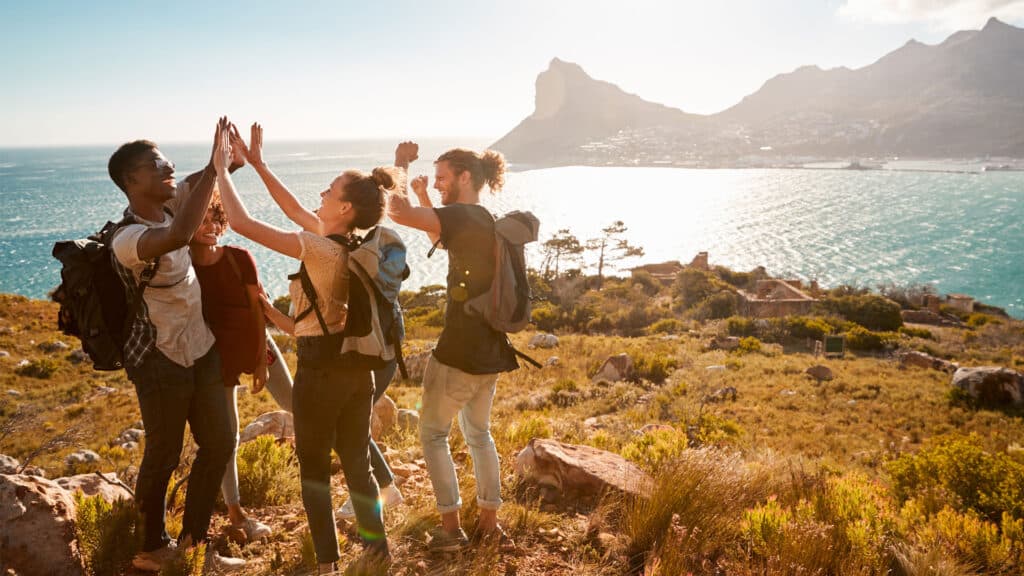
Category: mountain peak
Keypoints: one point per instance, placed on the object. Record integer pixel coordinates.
(994, 24)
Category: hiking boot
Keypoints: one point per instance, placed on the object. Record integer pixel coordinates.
(443, 541)
(155, 560)
(253, 529)
(389, 496)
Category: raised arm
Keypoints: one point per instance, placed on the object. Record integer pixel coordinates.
(238, 217)
(156, 242)
(278, 191)
(423, 217)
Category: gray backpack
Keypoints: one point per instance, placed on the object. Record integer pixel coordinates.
(506, 304)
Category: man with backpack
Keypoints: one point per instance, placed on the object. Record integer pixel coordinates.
(461, 375)
(168, 353)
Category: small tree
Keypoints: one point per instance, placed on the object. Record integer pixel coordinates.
(612, 247)
(562, 246)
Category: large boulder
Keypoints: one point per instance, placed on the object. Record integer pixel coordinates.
(37, 527)
(8, 465)
(278, 424)
(615, 368)
(921, 360)
(991, 384)
(91, 485)
(579, 471)
(384, 417)
(819, 373)
(543, 340)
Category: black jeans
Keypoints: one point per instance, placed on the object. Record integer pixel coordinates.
(169, 396)
(331, 402)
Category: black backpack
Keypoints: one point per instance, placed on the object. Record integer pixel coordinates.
(94, 305)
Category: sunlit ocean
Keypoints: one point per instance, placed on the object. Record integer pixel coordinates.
(960, 232)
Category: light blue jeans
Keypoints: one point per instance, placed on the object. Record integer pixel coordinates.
(279, 384)
(449, 392)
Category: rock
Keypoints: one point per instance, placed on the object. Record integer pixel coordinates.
(384, 417)
(13, 392)
(722, 394)
(278, 424)
(607, 540)
(408, 419)
(819, 373)
(543, 340)
(991, 384)
(593, 423)
(236, 534)
(78, 356)
(91, 485)
(130, 435)
(552, 361)
(21, 364)
(416, 364)
(104, 390)
(129, 446)
(34, 471)
(81, 457)
(37, 527)
(536, 401)
(615, 369)
(404, 470)
(8, 464)
(55, 346)
(5, 354)
(922, 360)
(787, 392)
(727, 343)
(6, 331)
(580, 471)
(716, 368)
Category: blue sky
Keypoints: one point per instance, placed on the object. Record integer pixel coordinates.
(105, 72)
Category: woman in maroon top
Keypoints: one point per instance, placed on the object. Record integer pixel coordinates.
(231, 305)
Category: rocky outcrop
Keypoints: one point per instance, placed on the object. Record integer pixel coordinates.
(579, 472)
(278, 424)
(37, 527)
(615, 368)
(913, 358)
(8, 465)
(819, 373)
(991, 385)
(384, 417)
(91, 485)
(543, 340)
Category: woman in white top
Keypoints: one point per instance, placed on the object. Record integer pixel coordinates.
(332, 396)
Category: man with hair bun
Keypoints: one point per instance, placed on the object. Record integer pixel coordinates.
(461, 375)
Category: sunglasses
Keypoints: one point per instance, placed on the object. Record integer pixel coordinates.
(159, 163)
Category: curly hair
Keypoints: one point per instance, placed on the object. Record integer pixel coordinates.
(217, 214)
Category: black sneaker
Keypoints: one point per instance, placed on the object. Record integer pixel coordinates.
(443, 541)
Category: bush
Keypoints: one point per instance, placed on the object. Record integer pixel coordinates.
(716, 306)
(693, 286)
(523, 430)
(106, 533)
(869, 310)
(651, 450)
(653, 368)
(267, 474)
(740, 326)
(957, 472)
(665, 326)
(545, 317)
(977, 320)
(41, 368)
(917, 332)
(813, 327)
(860, 338)
(649, 284)
(749, 345)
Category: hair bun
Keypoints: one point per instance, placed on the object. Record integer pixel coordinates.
(493, 164)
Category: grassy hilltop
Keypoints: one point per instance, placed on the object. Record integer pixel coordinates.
(879, 469)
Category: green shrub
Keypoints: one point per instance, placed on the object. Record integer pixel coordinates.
(693, 286)
(917, 332)
(665, 326)
(545, 317)
(267, 474)
(647, 282)
(871, 311)
(716, 430)
(860, 338)
(41, 368)
(106, 533)
(653, 367)
(958, 472)
(813, 327)
(749, 345)
(652, 449)
(740, 326)
(187, 563)
(977, 320)
(718, 305)
(994, 548)
(525, 429)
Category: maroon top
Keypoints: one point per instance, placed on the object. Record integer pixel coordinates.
(227, 311)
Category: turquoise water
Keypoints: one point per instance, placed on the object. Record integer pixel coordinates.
(958, 232)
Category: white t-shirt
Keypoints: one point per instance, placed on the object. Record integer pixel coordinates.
(327, 265)
(173, 296)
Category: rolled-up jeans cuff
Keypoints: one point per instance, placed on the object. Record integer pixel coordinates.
(450, 508)
(487, 504)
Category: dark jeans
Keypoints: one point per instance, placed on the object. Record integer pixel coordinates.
(381, 380)
(331, 402)
(169, 396)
